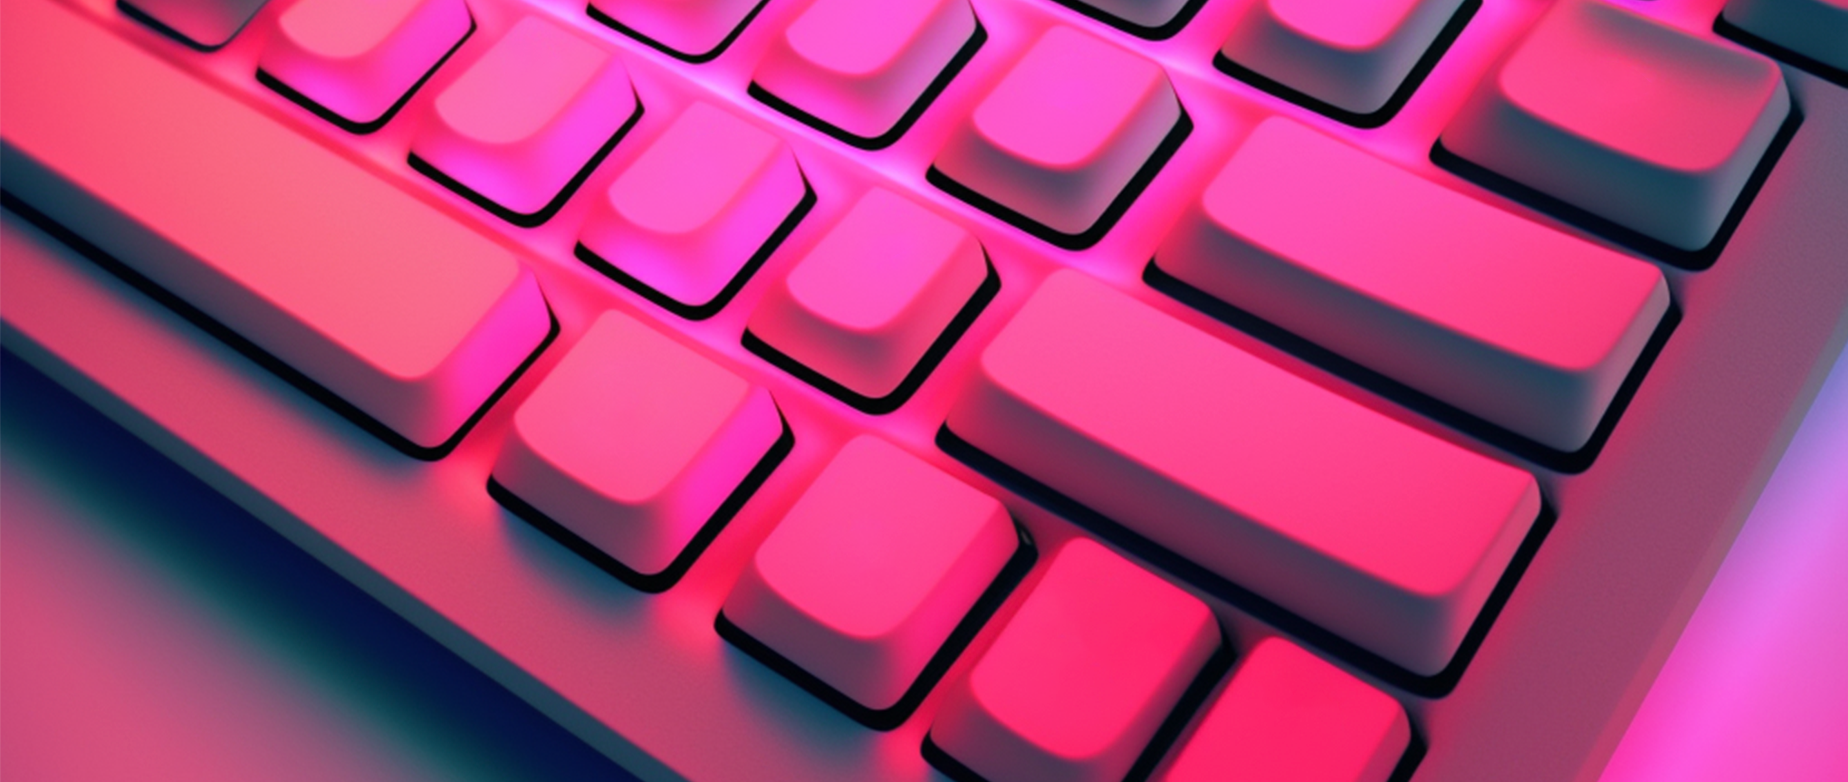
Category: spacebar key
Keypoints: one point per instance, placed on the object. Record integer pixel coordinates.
(1384, 535)
(404, 314)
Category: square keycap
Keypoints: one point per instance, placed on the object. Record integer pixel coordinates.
(1076, 684)
(862, 312)
(1288, 716)
(632, 445)
(868, 574)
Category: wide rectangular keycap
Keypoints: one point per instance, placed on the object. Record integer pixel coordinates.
(381, 299)
(1387, 536)
(1523, 325)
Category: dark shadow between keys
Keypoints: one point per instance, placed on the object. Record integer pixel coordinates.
(927, 363)
(1546, 456)
(264, 358)
(1371, 119)
(905, 121)
(1433, 686)
(1025, 553)
(350, 126)
(1815, 67)
(724, 296)
(1630, 239)
(1111, 214)
(707, 56)
(1159, 32)
(653, 582)
(558, 201)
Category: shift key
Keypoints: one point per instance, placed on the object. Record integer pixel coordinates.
(412, 319)
(1384, 535)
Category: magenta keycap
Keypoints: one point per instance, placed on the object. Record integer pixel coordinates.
(1078, 681)
(1055, 143)
(1288, 716)
(692, 30)
(1349, 54)
(695, 209)
(1510, 320)
(518, 129)
(356, 61)
(862, 582)
(1385, 535)
(631, 445)
(862, 69)
(1151, 18)
(1623, 116)
(866, 304)
(1817, 29)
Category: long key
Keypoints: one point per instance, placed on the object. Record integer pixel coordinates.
(1384, 535)
(1523, 325)
(375, 296)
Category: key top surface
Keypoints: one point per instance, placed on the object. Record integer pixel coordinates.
(1287, 716)
(1062, 134)
(633, 442)
(1384, 535)
(693, 30)
(1351, 54)
(1078, 681)
(1518, 323)
(519, 128)
(695, 208)
(358, 59)
(863, 580)
(1631, 120)
(318, 263)
(1817, 29)
(860, 67)
(202, 24)
(877, 292)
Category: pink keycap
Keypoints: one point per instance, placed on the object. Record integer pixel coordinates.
(1817, 29)
(1077, 682)
(359, 59)
(1513, 321)
(1634, 121)
(1145, 14)
(387, 303)
(695, 208)
(202, 24)
(874, 295)
(693, 30)
(860, 67)
(865, 578)
(634, 441)
(1063, 132)
(1382, 534)
(522, 123)
(1351, 54)
(1287, 716)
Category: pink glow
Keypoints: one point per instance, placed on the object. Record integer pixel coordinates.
(526, 117)
(1080, 677)
(356, 58)
(858, 65)
(871, 569)
(1287, 716)
(867, 301)
(687, 214)
(633, 440)
(1351, 55)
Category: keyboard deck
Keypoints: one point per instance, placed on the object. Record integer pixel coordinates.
(1632, 529)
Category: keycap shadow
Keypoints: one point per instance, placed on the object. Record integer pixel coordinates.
(905, 121)
(1159, 32)
(362, 128)
(534, 219)
(702, 57)
(1815, 67)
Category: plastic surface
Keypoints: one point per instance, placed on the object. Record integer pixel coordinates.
(633, 442)
(1636, 121)
(1352, 54)
(359, 58)
(1077, 682)
(865, 577)
(522, 121)
(1384, 535)
(1817, 29)
(1288, 716)
(1512, 320)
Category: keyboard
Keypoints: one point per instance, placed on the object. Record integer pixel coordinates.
(996, 392)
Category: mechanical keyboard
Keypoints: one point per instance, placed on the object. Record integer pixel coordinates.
(993, 390)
